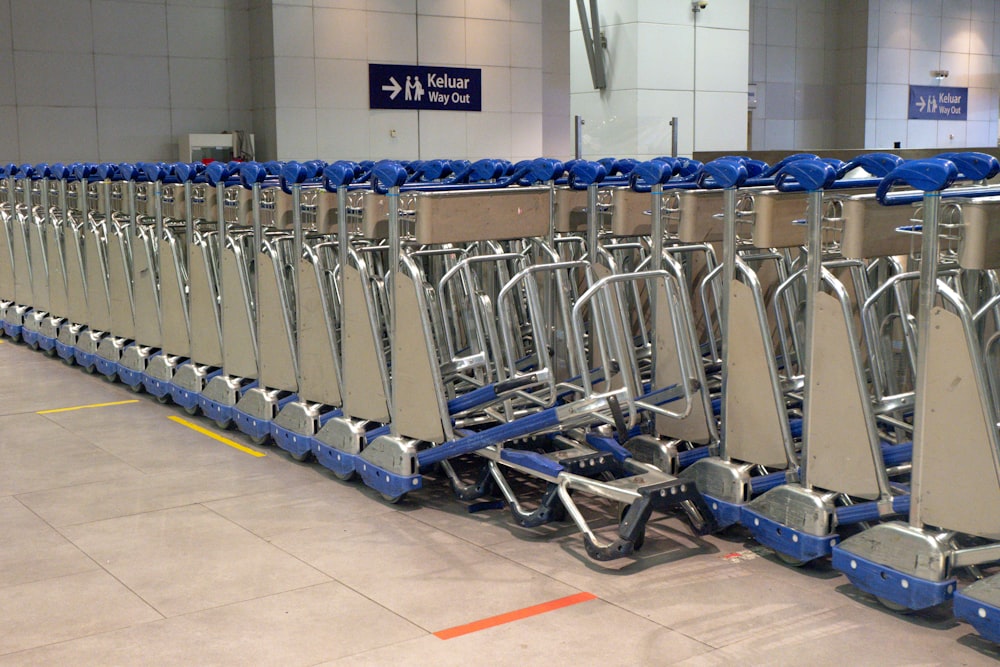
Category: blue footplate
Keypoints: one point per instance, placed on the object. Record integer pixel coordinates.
(105, 366)
(793, 543)
(726, 514)
(388, 483)
(984, 617)
(130, 377)
(890, 584)
(67, 352)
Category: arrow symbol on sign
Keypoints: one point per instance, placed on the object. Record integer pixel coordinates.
(920, 105)
(395, 88)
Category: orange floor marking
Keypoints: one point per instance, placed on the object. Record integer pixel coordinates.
(512, 616)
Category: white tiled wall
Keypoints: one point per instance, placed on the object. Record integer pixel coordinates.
(663, 60)
(116, 80)
(119, 79)
(802, 63)
(912, 38)
(322, 49)
(837, 73)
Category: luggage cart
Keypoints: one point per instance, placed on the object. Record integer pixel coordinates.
(205, 245)
(55, 185)
(956, 449)
(846, 461)
(175, 290)
(274, 287)
(238, 297)
(317, 300)
(18, 180)
(74, 238)
(144, 212)
(391, 464)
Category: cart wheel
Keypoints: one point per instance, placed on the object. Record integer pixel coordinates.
(301, 458)
(51, 352)
(110, 378)
(191, 409)
(135, 388)
(392, 500)
(790, 560)
(223, 424)
(344, 476)
(260, 440)
(893, 606)
(163, 399)
(89, 370)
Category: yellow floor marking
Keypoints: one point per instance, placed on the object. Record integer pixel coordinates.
(86, 407)
(216, 436)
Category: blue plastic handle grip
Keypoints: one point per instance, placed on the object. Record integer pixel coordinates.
(151, 171)
(58, 171)
(486, 170)
(252, 173)
(127, 171)
(727, 172)
(650, 173)
(337, 174)
(293, 173)
(545, 169)
(41, 171)
(25, 171)
(388, 174)
(930, 175)
(216, 173)
(876, 164)
(811, 174)
(583, 173)
(973, 166)
(182, 171)
(106, 171)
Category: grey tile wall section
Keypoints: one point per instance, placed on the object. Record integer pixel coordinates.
(111, 80)
(835, 74)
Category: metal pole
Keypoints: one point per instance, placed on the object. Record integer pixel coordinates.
(578, 135)
(928, 293)
(728, 276)
(673, 137)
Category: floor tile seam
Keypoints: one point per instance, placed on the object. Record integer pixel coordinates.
(100, 568)
(89, 441)
(345, 584)
(499, 555)
(145, 475)
(631, 612)
(271, 544)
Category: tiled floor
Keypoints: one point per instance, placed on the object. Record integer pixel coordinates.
(129, 539)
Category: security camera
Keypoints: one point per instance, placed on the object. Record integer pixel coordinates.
(699, 5)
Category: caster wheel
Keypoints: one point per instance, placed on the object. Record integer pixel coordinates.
(191, 410)
(790, 560)
(260, 440)
(222, 424)
(893, 606)
(392, 500)
(50, 353)
(344, 476)
(163, 399)
(89, 370)
(110, 378)
(69, 362)
(135, 388)
(303, 457)
(33, 346)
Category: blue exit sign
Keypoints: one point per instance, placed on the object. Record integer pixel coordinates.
(938, 103)
(425, 87)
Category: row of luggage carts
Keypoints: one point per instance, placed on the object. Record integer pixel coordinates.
(809, 349)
